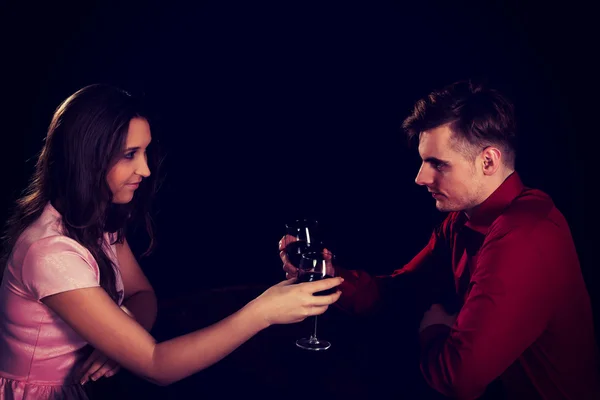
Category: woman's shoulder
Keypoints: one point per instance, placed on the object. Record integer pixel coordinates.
(45, 237)
(49, 223)
(44, 261)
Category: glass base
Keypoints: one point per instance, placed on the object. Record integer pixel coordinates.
(313, 343)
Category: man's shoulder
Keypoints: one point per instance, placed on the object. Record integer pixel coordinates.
(533, 209)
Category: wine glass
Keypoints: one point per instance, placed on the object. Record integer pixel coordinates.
(313, 267)
(306, 232)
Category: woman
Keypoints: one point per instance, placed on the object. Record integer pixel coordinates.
(71, 282)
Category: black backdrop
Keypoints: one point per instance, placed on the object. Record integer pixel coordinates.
(269, 111)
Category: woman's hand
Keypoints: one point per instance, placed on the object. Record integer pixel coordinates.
(287, 302)
(97, 366)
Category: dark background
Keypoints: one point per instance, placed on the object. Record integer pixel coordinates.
(269, 111)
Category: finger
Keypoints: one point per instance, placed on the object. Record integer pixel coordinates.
(91, 371)
(323, 284)
(290, 269)
(292, 275)
(112, 372)
(287, 239)
(287, 266)
(286, 282)
(327, 255)
(97, 365)
(325, 300)
(286, 261)
(317, 310)
(284, 258)
(101, 372)
(95, 355)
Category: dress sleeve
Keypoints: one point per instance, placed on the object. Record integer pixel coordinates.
(58, 264)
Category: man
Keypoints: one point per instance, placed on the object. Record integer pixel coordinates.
(524, 315)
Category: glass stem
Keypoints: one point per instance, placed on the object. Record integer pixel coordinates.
(314, 335)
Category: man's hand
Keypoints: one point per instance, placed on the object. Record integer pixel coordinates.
(291, 271)
(437, 315)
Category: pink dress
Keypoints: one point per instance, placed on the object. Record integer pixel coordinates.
(39, 352)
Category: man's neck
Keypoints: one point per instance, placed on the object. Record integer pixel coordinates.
(490, 189)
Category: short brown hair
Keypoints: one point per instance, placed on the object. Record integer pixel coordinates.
(478, 117)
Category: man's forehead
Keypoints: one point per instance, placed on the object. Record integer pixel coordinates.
(435, 141)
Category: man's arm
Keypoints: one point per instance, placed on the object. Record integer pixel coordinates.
(413, 287)
(518, 280)
(413, 284)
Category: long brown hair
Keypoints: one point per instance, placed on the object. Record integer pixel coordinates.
(85, 139)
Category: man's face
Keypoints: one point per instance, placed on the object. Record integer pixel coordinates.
(450, 176)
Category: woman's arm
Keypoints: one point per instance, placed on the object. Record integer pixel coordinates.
(93, 314)
(140, 298)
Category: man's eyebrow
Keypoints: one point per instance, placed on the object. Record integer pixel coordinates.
(435, 160)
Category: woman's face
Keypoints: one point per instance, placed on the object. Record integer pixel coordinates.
(125, 176)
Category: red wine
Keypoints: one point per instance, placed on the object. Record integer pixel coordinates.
(312, 277)
(295, 250)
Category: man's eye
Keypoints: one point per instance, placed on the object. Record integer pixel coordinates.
(439, 166)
